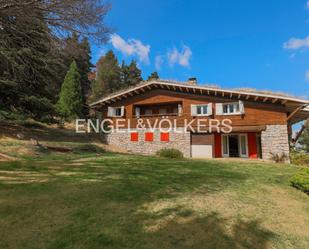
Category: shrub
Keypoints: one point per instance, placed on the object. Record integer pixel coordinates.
(30, 123)
(88, 148)
(279, 158)
(300, 158)
(170, 153)
(301, 180)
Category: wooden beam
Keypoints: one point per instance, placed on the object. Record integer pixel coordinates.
(283, 101)
(265, 99)
(187, 89)
(247, 97)
(193, 90)
(201, 91)
(298, 134)
(274, 101)
(149, 87)
(222, 94)
(296, 111)
(136, 91)
(180, 88)
(256, 98)
(208, 92)
(239, 95)
(215, 93)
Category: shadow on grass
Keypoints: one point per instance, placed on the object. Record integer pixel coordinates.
(212, 231)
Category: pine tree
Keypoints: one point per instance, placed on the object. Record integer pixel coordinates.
(153, 76)
(108, 76)
(79, 51)
(304, 139)
(70, 105)
(124, 74)
(134, 74)
(28, 72)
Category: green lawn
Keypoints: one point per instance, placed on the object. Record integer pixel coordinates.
(126, 201)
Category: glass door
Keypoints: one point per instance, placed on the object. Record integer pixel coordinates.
(243, 145)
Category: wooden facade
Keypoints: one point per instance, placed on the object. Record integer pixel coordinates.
(256, 114)
(260, 119)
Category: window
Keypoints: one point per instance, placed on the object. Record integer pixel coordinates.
(162, 111)
(165, 137)
(134, 137)
(243, 145)
(235, 108)
(148, 136)
(225, 145)
(201, 110)
(148, 112)
(115, 111)
(118, 112)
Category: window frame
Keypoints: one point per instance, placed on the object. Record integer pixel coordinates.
(228, 108)
(165, 137)
(202, 114)
(149, 136)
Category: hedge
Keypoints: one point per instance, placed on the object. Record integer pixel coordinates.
(301, 180)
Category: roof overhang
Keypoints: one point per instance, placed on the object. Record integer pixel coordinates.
(290, 102)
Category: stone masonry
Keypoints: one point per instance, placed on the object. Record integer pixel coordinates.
(177, 140)
(275, 141)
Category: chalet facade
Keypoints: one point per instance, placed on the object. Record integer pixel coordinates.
(261, 123)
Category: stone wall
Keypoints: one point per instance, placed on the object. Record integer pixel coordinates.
(275, 141)
(177, 140)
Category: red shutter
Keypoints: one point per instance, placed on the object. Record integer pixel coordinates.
(165, 137)
(134, 137)
(252, 145)
(148, 136)
(218, 152)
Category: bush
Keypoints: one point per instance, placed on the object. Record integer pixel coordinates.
(301, 180)
(88, 148)
(279, 158)
(170, 153)
(300, 158)
(30, 123)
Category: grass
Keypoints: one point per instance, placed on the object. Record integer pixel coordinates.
(301, 180)
(123, 201)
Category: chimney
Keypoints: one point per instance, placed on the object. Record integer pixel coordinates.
(192, 81)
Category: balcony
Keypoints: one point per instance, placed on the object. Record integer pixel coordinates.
(157, 110)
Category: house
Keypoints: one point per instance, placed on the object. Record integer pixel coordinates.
(261, 122)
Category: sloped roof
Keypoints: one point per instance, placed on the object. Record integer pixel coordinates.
(200, 90)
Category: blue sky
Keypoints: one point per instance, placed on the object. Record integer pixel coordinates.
(257, 44)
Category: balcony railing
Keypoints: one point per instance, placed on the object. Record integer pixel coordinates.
(156, 115)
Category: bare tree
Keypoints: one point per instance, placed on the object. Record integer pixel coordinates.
(85, 17)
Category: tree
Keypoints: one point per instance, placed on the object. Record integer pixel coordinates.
(70, 104)
(79, 50)
(31, 31)
(134, 74)
(153, 76)
(108, 76)
(304, 139)
(28, 68)
(85, 17)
